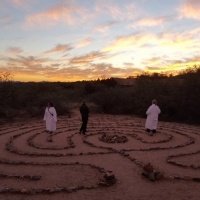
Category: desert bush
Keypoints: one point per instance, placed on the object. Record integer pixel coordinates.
(177, 96)
(114, 100)
(5, 76)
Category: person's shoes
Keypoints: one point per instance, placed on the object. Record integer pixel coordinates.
(153, 131)
(50, 132)
(148, 130)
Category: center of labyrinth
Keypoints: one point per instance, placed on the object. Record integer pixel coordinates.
(33, 161)
(113, 138)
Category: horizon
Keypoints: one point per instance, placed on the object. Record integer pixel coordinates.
(69, 41)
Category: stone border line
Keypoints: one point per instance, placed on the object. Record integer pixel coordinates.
(122, 152)
(108, 178)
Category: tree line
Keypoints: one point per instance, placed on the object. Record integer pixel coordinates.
(178, 96)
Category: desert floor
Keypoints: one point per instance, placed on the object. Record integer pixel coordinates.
(67, 165)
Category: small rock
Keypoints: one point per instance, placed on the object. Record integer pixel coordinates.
(58, 189)
(80, 187)
(35, 177)
(148, 168)
(103, 183)
(187, 178)
(33, 191)
(39, 190)
(158, 176)
(25, 191)
(52, 190)
(69, 190)
(151, 176)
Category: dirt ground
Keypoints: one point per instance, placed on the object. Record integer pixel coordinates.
(67, 165)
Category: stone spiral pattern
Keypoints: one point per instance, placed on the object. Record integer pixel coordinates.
(30, 155)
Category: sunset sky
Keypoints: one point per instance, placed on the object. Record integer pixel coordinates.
(70, 40)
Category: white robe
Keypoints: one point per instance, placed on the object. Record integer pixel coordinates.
(50, 120)
(152, 117)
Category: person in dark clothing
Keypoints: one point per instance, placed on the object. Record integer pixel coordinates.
(84, 110)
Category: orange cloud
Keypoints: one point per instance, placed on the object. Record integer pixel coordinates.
(24, 4)
(106, 7)
(176, 65)
(190, 9)
(18, 2)
(163, 41)
(128, 64)
(64, 12)
(131, 41)
(37, 69)
(151, 21)
(105, 27)
(58, 48)
(86, 59)
(84, 42)
(154, 60)
(30, 64)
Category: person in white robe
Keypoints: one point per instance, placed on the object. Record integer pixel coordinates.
(50, 116)
(152, 117)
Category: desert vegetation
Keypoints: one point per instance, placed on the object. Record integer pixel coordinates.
(178, 96)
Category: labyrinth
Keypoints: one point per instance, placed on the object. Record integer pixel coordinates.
(34, 162)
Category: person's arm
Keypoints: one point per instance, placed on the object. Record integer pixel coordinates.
(45, 114)
(54, 115)
(148, 111)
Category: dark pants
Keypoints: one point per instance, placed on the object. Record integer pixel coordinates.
(84, 124)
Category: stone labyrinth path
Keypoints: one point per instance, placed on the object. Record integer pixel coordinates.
(33, 161)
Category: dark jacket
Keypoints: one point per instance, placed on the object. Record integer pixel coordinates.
(84, 110)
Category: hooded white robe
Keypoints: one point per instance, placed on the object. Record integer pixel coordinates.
(50, 116)
(152, 117)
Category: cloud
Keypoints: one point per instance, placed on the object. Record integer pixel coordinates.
(173, 65)
(5, 18)
(59, 48)
(153, 61)
(28, 61)
(67, 12)
(6, 21)
(128, 64)
(20, 4)
(14, 50)
(84, 42)
(190, 9)
(106, 6)
(82, 60)
(104, 28)
(35, 68)
(164, 40)
(152, 21)
(30, 65)
(122, 42)
(117, 12)
(194, 59)
(107, 70)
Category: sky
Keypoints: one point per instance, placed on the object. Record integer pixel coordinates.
(74, 40)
